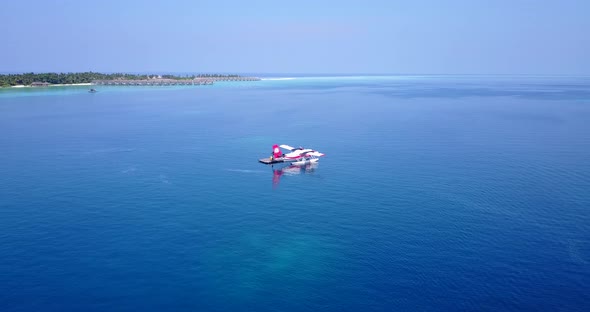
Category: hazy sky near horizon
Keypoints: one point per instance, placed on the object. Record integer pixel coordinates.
(413, 37)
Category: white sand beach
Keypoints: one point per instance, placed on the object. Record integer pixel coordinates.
(71, 84)
(57, 85)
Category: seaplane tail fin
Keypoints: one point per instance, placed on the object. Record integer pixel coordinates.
(276, 151)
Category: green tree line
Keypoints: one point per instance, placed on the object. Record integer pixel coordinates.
(86, 77)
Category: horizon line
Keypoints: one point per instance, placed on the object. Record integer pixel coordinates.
(324, 74)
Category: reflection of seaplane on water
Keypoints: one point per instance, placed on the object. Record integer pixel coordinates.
(297, 156)
(292, 170)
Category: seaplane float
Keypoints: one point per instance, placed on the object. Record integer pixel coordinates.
(297, 156)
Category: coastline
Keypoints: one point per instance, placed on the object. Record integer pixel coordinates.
(71, 84)
(25, 80)
(55, 85)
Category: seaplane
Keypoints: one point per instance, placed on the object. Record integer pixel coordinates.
(296, 156)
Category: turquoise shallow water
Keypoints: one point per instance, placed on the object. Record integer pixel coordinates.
(437, 193)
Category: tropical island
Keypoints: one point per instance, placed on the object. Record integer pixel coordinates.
(89, 78)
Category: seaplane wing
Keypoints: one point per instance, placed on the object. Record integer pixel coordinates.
(297, 153)
(287, 147)
(315, 153)
(305, 151)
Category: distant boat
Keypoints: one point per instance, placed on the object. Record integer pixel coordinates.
(92, 90)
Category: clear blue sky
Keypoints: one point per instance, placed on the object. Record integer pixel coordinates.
(418, 36)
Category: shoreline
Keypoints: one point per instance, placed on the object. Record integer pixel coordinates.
(25, 80)
(53, 85)
(71, 84)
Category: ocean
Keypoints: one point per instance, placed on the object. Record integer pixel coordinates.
(456, 193)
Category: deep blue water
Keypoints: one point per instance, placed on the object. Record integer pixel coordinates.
(437, 193)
